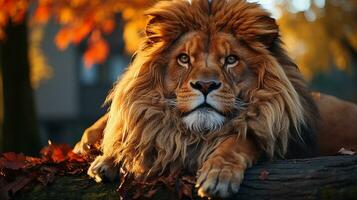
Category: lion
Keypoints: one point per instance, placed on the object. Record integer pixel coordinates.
(210, 91)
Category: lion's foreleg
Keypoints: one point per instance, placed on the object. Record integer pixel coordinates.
(103, 166)
(222, 173)
(91, 135)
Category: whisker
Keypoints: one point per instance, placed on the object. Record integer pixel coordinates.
(240, 104)
(169, 101)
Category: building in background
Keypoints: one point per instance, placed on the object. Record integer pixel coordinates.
(73, 97)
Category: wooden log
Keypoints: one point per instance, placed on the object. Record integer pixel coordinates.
(330, 178)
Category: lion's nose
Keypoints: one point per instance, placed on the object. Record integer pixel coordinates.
(205, 86)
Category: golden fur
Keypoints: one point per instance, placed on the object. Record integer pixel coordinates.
(338, 126)
(263, 99)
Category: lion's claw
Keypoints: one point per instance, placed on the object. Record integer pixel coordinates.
(219, 180)
(103, 168)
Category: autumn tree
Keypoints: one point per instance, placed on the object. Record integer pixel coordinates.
(323, 35)
(19, 130)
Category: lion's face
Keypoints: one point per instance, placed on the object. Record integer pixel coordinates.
(207, 75)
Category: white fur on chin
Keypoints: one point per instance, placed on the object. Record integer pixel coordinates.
(204, 120)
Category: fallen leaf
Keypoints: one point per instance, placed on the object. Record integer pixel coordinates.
(75, 157)
(12, 160)
(33, 161)
(18, 170)
(56, 152)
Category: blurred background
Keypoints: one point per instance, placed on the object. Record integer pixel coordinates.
(59, 59)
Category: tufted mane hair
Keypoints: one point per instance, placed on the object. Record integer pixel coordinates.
(144, 132)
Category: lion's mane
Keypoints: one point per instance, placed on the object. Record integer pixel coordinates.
(144, 133)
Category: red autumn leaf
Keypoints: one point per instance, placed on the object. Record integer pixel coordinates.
(3, 19)
(108, 26)
(75, 157)
(18, 171)
(63, 38)
(97, 51)
(42, 14)
(12, 160)
(58, 155)
(11, 156)
(56, 152)
(81, 31)
(33, 160)
(264, 175)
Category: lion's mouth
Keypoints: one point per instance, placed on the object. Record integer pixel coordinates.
(203, 118)
(205, 107)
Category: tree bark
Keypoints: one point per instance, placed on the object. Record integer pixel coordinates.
(330, 178)
(19, 131)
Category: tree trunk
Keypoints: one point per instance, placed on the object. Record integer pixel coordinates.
(19, 131)
(327, 178)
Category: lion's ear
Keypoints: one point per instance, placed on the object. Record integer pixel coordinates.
(161, 27)
(269, 30)
(150, 31)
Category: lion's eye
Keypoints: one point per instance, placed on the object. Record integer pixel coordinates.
(183, 59)
(231, 60)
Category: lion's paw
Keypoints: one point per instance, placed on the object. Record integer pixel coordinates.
(103, 168)
(81, 148)
(90, 137)
(219, 180)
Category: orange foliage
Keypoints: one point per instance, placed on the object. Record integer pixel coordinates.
(42, 14)
(79, 19)
(93, 18)
(63, 38)
(327, 40)
(80, 32)
(11, 11)
(97, 51)
(75, 34)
